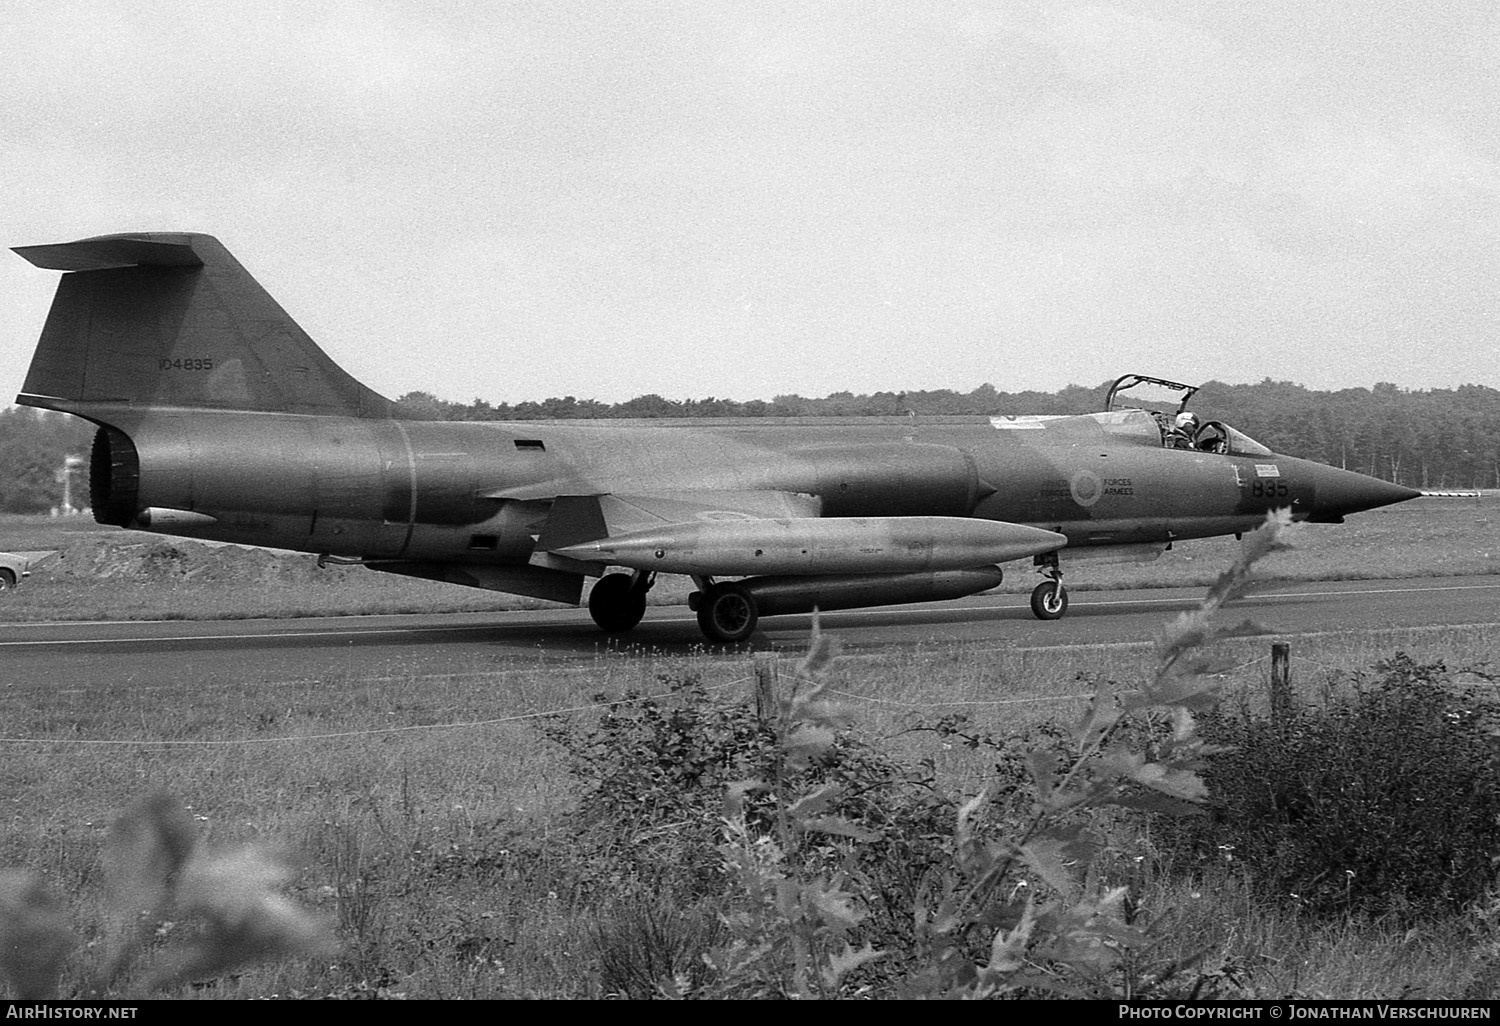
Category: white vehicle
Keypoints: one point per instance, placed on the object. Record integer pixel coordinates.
(16, 565)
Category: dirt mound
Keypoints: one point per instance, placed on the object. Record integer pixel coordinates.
(161, 560)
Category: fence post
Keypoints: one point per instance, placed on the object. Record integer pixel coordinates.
(1281, 683)
(765, 686)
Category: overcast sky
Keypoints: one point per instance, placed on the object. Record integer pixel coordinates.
(520, 200)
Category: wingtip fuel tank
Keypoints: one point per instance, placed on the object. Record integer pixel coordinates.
(827, 545)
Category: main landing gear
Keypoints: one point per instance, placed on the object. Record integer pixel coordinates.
(618, 601)
(727, 612)
(1049, 600)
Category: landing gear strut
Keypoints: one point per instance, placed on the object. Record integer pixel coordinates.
(618, 601)
(1049, 600)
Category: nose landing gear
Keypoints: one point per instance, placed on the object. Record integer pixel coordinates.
(1049, 600)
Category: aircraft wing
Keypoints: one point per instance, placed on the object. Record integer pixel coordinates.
(582, 518)
(633, 512)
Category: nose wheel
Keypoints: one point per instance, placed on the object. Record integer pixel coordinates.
(1049, 600)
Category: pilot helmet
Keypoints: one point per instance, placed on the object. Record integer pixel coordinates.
(1186, 421)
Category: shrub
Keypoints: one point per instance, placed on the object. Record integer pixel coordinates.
(1386, 800)
(651, 777)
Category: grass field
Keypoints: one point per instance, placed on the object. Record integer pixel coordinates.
(404, 799)
(420, 808)
(108, 573)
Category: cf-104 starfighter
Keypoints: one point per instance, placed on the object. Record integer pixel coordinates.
(219, 418)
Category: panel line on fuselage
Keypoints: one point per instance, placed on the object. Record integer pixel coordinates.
(411, 471)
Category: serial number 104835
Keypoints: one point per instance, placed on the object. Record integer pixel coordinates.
(188, 365)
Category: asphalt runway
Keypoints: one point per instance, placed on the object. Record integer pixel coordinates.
(248, 652)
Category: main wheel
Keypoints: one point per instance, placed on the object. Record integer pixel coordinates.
(1049, 600)
(7, 579)
(727, 613)
(615, 604)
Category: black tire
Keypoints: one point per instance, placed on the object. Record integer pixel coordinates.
(727, 614)
(1049, 600)
(7, 579)
(615, 604)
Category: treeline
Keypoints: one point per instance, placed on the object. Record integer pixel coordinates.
(983, 400)
(1442, 438)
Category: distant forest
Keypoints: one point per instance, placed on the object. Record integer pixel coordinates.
(1442, 438)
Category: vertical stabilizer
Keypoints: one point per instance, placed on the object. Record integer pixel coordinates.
(173, 320)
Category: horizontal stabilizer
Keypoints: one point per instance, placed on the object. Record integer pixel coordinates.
(108, 251)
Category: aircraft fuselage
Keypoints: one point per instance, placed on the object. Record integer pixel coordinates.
(392, 489)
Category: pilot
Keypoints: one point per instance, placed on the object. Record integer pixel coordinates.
(1181, 435)
(1211, 438)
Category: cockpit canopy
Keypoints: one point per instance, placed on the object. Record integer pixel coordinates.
(1235, 442)
(1163, 402)
(1154, 395)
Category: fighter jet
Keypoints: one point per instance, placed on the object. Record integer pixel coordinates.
(219, 418)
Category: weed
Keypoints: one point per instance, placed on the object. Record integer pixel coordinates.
(651, 945)
(189, 914)
(652, 776)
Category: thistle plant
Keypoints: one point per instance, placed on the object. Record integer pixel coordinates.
(34, 935)
(1024, 907)
(792, 934)
(1052, 921)
(225, 909)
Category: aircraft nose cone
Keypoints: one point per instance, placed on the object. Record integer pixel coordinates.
(1340, 492)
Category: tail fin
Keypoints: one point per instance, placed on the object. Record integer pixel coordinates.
(172, 320)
